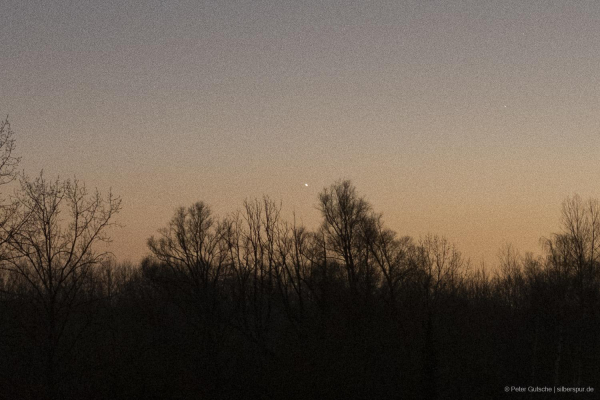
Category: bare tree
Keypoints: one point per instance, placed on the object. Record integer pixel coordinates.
(573, 257)
(255, 248)
(8, 162)
(441, 266)
(8, 167)
(193, 246)
(53, 253)
(344, 217)
(390, 254)
(510, 280)
(293, 268)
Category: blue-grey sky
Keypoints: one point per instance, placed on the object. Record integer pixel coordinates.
(470, 119)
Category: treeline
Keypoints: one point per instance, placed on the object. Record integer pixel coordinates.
(250, 306)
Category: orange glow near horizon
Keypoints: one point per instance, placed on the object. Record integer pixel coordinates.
(472, 120)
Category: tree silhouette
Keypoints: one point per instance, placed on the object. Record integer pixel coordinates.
(8, 162)
(345, 218)
(252, 306)
(573, 260)
(52, 254)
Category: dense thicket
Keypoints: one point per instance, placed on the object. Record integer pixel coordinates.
(250, 306)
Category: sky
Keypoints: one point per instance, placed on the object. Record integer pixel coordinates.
(469, 119)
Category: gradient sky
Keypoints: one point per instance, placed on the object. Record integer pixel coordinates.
(470, 119)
